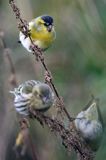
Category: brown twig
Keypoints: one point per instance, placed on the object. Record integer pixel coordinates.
(70, 139)
(23, 26)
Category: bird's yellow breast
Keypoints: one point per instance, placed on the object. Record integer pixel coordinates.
(42, 35)
(42, 38)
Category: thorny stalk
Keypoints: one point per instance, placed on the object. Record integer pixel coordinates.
(23, 26)
(70, 138)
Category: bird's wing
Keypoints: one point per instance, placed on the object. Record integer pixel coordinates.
(32, 24)
(89, 103)
(96, 101)
(99, 112)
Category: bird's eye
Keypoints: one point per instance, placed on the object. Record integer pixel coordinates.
(46, 24)
(35, 93)
(39, 23)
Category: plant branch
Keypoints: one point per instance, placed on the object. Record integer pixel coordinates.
(23, 26)
(70, 138)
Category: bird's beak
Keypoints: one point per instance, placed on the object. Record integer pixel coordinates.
(44, 99)
(49, 28)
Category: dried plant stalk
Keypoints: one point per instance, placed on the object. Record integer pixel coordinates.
(70, 138)
(23, 26)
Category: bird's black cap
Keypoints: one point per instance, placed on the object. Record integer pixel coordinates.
(47, 19)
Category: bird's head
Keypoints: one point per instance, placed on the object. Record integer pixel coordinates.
(46, 22)
(92, 113)
(43, 92)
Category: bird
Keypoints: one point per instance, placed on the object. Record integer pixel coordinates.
(89, 124)
(34, 95)
(41, 31)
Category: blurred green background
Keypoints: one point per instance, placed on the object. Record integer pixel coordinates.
(77, 60)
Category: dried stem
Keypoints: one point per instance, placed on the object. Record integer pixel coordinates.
(70, 139)
(23, 26)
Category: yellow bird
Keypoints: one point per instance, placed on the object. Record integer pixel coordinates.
(42, 33)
